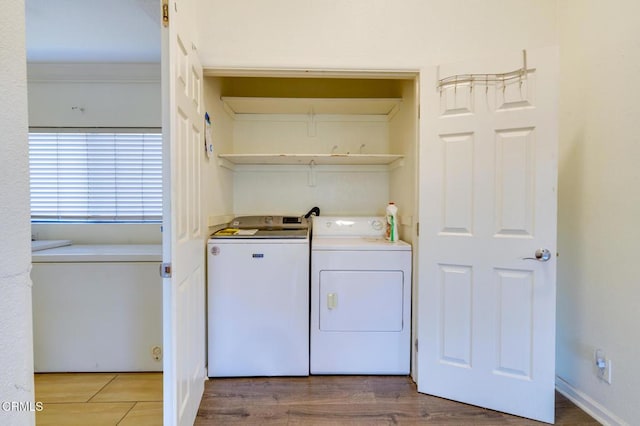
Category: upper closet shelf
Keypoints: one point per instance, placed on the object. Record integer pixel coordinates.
(340, 106)
(312, 159)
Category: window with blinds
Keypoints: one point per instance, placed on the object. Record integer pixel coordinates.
(95, 177)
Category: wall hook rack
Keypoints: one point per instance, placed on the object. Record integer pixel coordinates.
(487, 79)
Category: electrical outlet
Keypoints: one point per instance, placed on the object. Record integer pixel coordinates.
(156, 353)
(603, 366)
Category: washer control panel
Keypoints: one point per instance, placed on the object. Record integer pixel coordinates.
(269, 222)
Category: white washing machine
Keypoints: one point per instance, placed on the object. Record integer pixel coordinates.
(360, 298)
(258, 298)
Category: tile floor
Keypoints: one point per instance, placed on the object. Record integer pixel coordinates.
(122, 399)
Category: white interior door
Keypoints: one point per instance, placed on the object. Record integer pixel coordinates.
(183, 234)
(488, 161)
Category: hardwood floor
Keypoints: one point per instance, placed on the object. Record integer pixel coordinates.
(349, 400)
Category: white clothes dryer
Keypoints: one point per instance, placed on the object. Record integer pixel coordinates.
(360, 298)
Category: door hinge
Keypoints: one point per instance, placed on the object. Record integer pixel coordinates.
(165, 270)
(165, 13)
(417, 229)
(415, 345)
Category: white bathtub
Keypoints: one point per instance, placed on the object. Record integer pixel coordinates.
(48, 244)
(97, 308)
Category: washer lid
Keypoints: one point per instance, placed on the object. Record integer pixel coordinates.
(235, 233)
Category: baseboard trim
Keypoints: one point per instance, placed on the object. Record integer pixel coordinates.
(588, 405)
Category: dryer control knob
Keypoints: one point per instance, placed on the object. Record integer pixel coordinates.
(377, 225)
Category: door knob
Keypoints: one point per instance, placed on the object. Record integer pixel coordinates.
(541, 255)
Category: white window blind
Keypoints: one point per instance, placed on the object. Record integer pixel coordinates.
(95, 177)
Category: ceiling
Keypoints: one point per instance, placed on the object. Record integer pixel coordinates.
(93, 30)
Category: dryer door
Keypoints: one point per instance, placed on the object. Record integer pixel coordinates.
(361, 300)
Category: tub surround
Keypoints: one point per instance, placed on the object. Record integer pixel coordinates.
(99, 233)
(97, 308)
(38, 245)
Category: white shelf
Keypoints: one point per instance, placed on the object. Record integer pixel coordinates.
(340, 106)
(308, 159)
(270, 108)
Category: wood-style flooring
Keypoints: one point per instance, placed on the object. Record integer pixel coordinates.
(99, 399)
(349, 400)
(136, 399)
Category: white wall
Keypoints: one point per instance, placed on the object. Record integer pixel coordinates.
(95, 95)
(217, 182)
(287, 190)
(403, 137)
(599, 202)
(356, 34)
(16, 338)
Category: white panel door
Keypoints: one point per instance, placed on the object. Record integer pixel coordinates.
(488, 161)
(183, 235)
